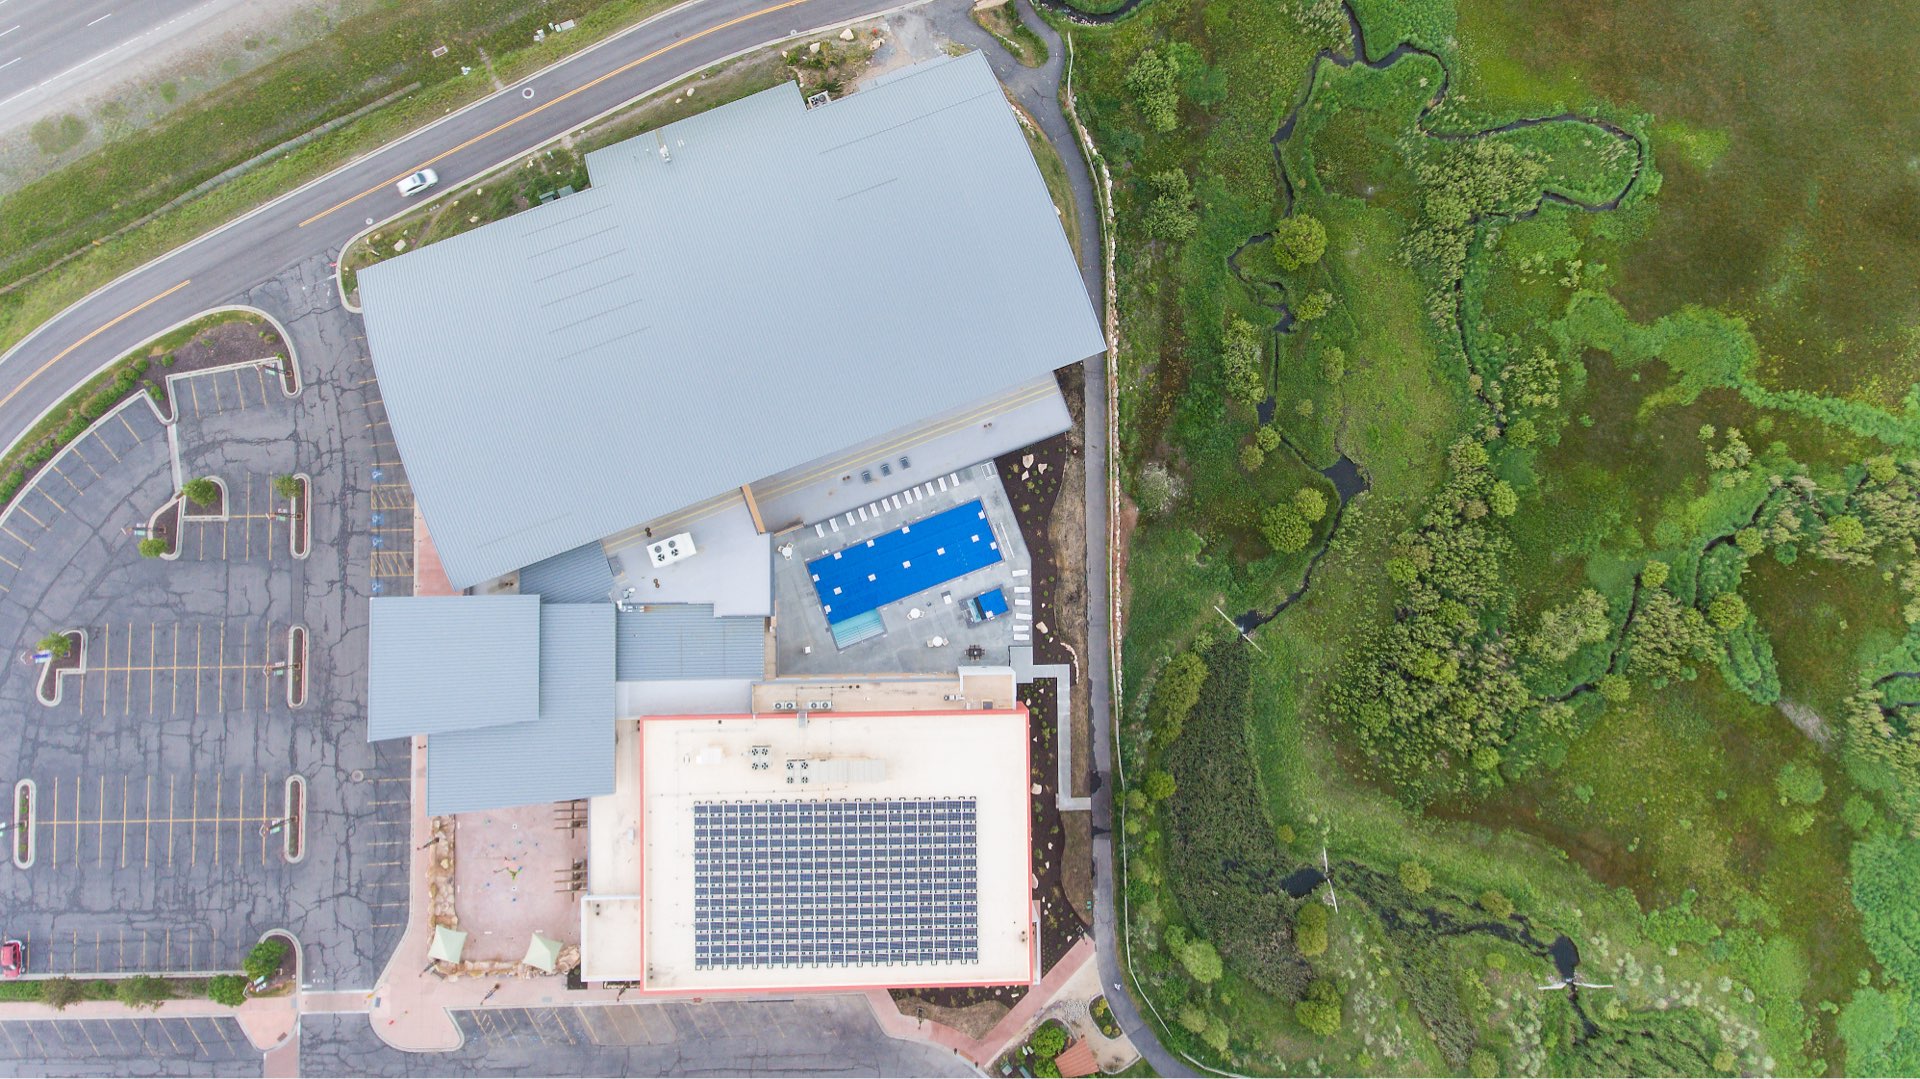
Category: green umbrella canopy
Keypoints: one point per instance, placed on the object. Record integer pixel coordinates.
(447, 944)
(542, 953)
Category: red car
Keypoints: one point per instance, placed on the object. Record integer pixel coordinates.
(13, 958)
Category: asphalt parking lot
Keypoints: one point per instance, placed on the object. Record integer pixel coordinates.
(161, 767)
(150, 1046)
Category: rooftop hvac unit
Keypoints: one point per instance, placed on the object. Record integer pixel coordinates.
(672, 549)
(786, 706)
(819, 706)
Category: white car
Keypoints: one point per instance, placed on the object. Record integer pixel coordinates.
(418, 182)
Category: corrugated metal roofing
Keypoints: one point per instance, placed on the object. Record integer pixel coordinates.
(582, 575)
(828, 274)
(566, 753)
(448, 663)
(685, 640)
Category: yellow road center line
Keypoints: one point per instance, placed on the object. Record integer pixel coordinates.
(104, 327)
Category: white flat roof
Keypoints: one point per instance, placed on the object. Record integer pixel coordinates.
(979, 756)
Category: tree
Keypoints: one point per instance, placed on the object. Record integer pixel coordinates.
(1193, 1017)
(1497, 904)
(1503, 499)
(1319, 1009)
(1668, 638)
(1252, 457)
(1240, 358)
(1615, 688)
(286, 485)
(57, 643)
(1654, 573)
(59, 992)
(1727, 611)
(1049, 1040)
(1152, 82)
(1310, 929)
(1267, 438)
(1285, 530)
(1482, 1064)
(1170, 213)
(1750, 540)
(1415, 878)
(1175, 694)
(152, 547)
(265, 958)
(1160, 785)
(201, 491)
(1298, 241)
(1309, 503)
(142, 991)
(1201, 961)
(228, 989)
(1800, 783)
(1312, 305)
(1571, 626)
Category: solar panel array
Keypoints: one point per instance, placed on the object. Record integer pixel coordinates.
(835, 883)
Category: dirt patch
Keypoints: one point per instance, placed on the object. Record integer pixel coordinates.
(974, 1020)
(1806, 720)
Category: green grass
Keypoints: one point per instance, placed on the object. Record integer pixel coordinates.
(1007, 27)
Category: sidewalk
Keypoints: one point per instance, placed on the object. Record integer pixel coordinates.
(269, 1022)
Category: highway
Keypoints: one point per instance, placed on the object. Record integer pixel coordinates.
(43, 42)
(325, 214)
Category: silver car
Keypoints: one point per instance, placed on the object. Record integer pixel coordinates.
(418, 182)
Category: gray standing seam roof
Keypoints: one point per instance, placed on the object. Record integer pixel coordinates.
(448, 663)
(624, 352)
(686, 641)
(567, 753)
(582, 575)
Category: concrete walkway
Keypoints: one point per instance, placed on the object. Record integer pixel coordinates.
(984, 1050)
(1025, 670)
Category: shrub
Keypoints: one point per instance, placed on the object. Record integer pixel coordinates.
(153, 547)
(1482, 1064)
(1319, 1011)
(1502, 499)
(1240, 359)
(1615, 688)
(60, 992)
(1800, 783)
(201, 491)
(57, 643)
(1049, 1040)
(265, 958)
(228, 989)
(142, 991)
(1046, 1069)
(1310, 929)
(1496, 904)
(1216, 1035)
(1160, 785)
(1267, 438)
(1201, 960)
(1169, 215)
(1252, 457)
(1313, 305)
(1151, 81)
(1192, 1017)
(1415, 878)
(1654, 573)
(286, 486)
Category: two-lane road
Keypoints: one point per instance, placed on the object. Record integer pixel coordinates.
(322, 216)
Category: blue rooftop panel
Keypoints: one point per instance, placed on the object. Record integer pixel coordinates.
(911, 558)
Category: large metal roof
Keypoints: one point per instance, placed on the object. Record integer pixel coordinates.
(566, 753)
(738, 292)
(448, 663)
(582, 575)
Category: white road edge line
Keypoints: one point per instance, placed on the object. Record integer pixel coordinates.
(101, 19)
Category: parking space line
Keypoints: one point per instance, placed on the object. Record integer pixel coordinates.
(123, 831)
(103, 441)
(260, 372)
(146, 855)
(218, 405)
(18, 536)
(219, 790)
(50, 498)
(176, 668)
(171, 784)
(84, 461)
(100, 836)
(189, 1022)
(196, 668)
(246, 632)
(153, 656)
(193, 835)
(106, 668)
(30, 515)
(220, 686)
(127, 708)
(55, 829)
(136, 435)
(9, 561)
(193, 391)
(77, 489)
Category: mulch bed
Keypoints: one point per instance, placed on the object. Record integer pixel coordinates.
(1061, 926)
(218, 346)
(167, 526)
(1033, 478)
(50, 673)
(212, 509)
